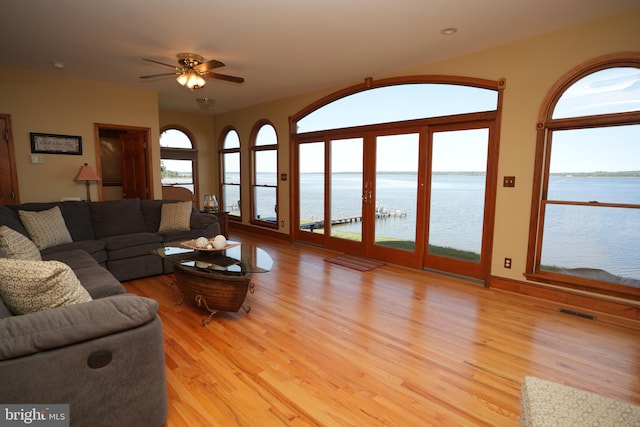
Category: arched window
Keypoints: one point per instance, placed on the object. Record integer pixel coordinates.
(178, 158)
(230, 173)
(585, 230)
(264, 180)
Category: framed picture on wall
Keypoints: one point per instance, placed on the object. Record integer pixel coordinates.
(55, 144)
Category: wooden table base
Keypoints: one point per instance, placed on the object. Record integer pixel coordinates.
(212, 291)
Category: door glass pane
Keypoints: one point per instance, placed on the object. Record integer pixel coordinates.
(456, 210)
(396, 190)
(346, 189)
(311, 181)
(592, 241)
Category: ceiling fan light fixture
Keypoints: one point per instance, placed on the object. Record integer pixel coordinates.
(449, 31)
(191, 79)
(206, 103)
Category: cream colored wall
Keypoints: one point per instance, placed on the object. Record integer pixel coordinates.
(201, 126)
(57, 104)
(531, 68)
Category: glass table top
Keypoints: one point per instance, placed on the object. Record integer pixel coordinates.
(238, 258)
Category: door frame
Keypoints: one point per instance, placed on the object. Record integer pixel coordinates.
(8, 137)
(482, 268)
(462, 121)
(124, 128)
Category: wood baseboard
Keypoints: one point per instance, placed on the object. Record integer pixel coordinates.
(259, 231)
(605, 308)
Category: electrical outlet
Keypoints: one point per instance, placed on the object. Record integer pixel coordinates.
(509, 181)
(507, 263)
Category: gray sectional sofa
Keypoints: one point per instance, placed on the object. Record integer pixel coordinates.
(104, 355)
(119, 234)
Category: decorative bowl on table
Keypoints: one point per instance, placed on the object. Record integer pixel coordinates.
(208, 245)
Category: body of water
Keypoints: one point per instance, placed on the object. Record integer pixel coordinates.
(575, 236)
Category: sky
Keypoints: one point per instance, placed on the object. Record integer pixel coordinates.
(606, 91)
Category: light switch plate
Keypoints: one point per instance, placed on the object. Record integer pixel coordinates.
(37, 159)
(509, 181)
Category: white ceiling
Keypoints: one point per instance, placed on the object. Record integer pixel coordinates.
(281, 47)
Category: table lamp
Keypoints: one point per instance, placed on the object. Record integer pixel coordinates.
(87, 174)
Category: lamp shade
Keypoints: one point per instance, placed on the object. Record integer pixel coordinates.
(191, 79)
(86, 173)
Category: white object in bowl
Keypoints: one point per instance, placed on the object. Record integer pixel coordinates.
(219, 242)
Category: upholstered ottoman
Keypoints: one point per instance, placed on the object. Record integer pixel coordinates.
(545, 403)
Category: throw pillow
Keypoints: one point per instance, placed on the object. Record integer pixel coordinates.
(46, 228)
(16, 246)
(176, 216)
(116, 217)
(30, 286)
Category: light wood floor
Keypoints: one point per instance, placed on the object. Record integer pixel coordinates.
(326, 345)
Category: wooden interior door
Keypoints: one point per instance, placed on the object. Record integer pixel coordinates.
(133, 149)
(8, 176)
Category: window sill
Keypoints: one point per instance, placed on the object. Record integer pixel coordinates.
(585, 286)
(265, 224)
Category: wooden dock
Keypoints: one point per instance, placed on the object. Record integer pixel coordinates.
(312, 225)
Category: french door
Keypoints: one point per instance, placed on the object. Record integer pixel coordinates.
(415, 196)
(461, 197)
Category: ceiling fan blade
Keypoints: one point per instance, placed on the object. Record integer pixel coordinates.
(161, 63)
(151, 76)
(209, 65)
(223, 77)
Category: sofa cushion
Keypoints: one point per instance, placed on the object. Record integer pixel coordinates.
(16, 245)
(151, 211)
(4, 310)
(131, 245)
(46, 228)
(74, 258)
(181, 236)
(99, 282)
(76, 215)
(95, 248)
(175, 216)
(31, 286)
(134, 268)
(116, 217)
(22, 335)
(10, 218)
(125, 241)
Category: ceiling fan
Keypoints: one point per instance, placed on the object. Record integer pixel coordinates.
(192, 70)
